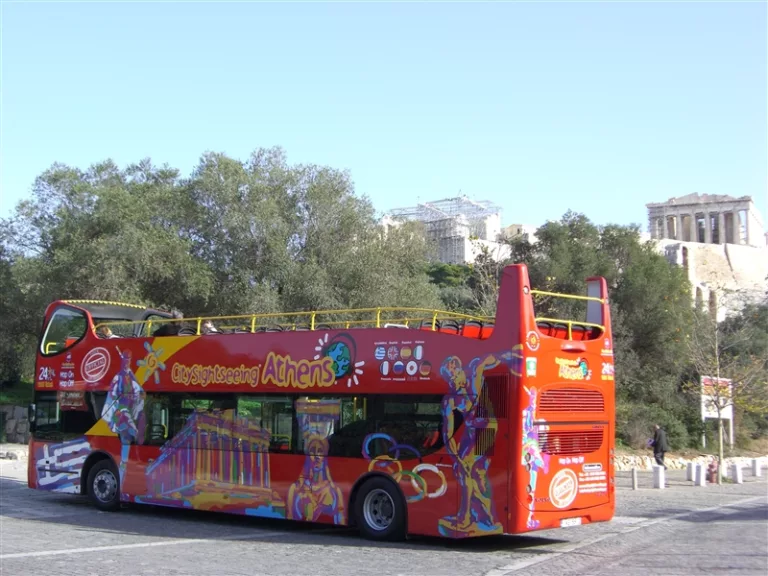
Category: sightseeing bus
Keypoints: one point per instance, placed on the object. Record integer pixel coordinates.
(395, 421)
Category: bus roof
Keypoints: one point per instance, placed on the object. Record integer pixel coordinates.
(116, 310)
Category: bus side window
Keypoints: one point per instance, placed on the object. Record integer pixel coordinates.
(66, 327)
(157, 412)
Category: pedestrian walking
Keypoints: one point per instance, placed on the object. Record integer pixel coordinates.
(660, 445)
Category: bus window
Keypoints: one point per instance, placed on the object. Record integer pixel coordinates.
(273, 414)
(54, 422)
(66, 327)
(157, 413)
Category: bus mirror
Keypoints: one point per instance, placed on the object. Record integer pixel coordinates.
(31, 413)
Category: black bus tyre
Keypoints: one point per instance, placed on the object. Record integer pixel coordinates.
(104, 485)
(380, 510)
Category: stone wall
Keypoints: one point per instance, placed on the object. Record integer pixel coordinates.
(16, 424)
(627, 462)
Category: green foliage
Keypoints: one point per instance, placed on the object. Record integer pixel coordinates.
(263, 235)
(650, 309)
(232, 238)
(16, 394)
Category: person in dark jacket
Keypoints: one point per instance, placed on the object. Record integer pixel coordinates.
(170, 328)
(660, 445)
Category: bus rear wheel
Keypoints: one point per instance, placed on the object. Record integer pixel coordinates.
(104, 486)
(380, 510)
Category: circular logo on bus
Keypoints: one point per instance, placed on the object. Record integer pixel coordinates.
(95, 365)
(532, 341)
(562, 490)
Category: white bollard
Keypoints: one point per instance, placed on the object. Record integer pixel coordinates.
(690, 473)
(736, 474)
(634, 478)
(701, 475)
(756, 467)
(658, 477)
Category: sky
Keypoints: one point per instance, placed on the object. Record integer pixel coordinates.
(597, 107)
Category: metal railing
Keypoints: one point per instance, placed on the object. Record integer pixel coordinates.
(312, 320)
(346, 318)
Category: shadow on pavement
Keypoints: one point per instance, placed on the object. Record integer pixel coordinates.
(78, 514)
(742, 513)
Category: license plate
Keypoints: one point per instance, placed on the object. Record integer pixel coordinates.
(570, 522)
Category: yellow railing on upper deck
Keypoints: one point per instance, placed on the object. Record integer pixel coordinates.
(347, 318)
(361, 317)
(569, 323)
(569, 296)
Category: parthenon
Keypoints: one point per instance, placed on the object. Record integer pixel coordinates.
(707, 219)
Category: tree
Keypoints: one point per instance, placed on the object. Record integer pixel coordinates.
(650, 309)
(734, 351)
(232, 238)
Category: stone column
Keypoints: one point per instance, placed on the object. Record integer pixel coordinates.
(678, 226)
(721, 228)
(707, 229)
(694, 229)
(746, 227)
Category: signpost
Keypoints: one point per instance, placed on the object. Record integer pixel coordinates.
(716, 393)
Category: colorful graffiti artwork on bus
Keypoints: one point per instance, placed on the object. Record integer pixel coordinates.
(477, 514)
(315, 494)
(124, 409)
(533, 458)
(342, 351)
(60, 466)
(217, 461)
(388, 460)
(151, 362)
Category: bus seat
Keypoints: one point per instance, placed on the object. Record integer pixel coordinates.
(449, 327)
(578, 332)
(545, 328)
(560, 331)
(472, 329)
(427, 325)
(431, 439)
(486, 331)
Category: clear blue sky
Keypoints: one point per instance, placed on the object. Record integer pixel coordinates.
(540, 107)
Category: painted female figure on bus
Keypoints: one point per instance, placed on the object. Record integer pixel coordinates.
(124, 409)
(533, 458)
(477, 515)
(314, 493)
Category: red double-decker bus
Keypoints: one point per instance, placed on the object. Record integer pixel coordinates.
(397, 421)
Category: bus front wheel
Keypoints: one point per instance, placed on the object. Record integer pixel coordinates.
(380, 510)
(104, 485)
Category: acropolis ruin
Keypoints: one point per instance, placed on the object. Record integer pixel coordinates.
(721, 243)
(707, 219)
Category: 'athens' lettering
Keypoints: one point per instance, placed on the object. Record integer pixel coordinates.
(285, 372)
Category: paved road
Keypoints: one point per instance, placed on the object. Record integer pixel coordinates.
(682, 530)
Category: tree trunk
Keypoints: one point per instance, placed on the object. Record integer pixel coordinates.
(720, 450)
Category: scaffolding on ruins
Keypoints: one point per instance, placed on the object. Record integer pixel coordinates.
(455, 224)
(447, 208)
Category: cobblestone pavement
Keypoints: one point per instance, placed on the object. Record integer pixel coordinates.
(679, 530)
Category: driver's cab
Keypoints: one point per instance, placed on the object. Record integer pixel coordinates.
(68, 321)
